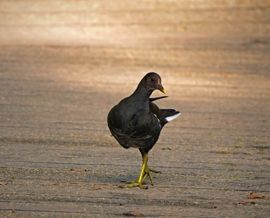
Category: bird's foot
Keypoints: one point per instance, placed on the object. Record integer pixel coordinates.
(154, 171)
(147, 174)
(134, 184)
(137, 184)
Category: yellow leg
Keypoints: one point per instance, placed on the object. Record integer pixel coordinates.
(148, 174)
(145, 172)
(139, 181)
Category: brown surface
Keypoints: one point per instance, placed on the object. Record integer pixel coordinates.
(63, 66)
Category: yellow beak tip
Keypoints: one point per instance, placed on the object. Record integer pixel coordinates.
(163, 90)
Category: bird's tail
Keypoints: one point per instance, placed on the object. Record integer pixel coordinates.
(167, 115)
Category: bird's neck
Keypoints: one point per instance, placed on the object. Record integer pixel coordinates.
(142, 92)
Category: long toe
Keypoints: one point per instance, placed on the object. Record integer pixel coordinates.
(147, 174)
(154, 171)
(134, 184)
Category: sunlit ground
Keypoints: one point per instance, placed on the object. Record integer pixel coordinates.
(64, 64)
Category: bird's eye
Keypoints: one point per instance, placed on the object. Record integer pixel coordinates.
(152, 79)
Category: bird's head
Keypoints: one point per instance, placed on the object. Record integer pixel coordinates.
(152, 81)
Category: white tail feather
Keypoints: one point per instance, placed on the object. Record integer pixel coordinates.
(170, 118)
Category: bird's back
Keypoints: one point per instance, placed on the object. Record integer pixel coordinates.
(133, 124)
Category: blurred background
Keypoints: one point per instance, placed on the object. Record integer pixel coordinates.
(64, 64)
(75, 59)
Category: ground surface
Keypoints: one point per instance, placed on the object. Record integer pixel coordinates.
(63, 66)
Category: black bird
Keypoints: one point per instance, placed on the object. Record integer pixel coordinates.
(137, 122)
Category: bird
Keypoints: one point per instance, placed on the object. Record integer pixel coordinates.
(136, 122)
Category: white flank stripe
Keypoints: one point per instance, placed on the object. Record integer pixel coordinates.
(170, 118)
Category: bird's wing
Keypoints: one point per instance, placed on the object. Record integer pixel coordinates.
(163, 115)
(157, 98)
(143, 128)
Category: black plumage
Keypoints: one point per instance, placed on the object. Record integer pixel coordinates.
(137, 122)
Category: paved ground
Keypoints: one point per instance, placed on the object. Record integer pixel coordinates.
(63, 66)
